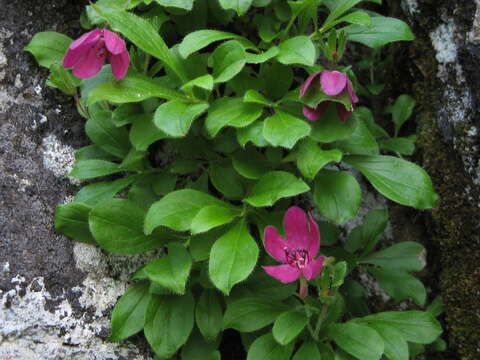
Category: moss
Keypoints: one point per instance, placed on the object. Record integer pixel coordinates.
(451, 229)
(453, 224)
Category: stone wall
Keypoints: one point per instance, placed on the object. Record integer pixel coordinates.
(441, 68)
(55, 296)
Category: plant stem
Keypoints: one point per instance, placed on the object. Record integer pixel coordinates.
(321, 317)
(309, 325)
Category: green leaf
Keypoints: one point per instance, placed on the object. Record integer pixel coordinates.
(103, 133)
(360, 142)
(126, 114)
(197, 348)
(232, 258)
(62, 79)
(382, 31)
(172, 270)
(358, 340)
(94, 193)
(266, 348)
(116, 225)
(226, 180)
(181, 4)
(311, 158)
(144, 133)
(404, 256)
(252, 133)
(364, 114)
(397, 179)
(203, 82)
(288, 326)
(89, 169)
(250, 163)
(284, 130)
(401, 111)
(337, 195)
(132, 88)
(367, 235)
(72, 220)
(199, 39)
(331, 128)
(146, 37)
(240, 6)
(400, 285)
(128, 315)
(209, 314)
(178, 209)
(260, 284)
(415, 326)
(274, 186)
(201, 244)
(396, 348)
(309, 350)
(231, 112)
(357, 17)
(175, 117)
(253, 96)
(212, 216)
(262, 57)
(401, 145)
(251, 314)
(228, 60)
(297, 50)
(170, 321)
(87, 85)
(48, 47)
(93, 152)
(278, 79)
(338, 8)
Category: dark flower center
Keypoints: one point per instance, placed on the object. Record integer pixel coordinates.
(298, 257)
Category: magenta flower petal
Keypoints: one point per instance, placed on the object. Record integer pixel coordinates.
(119, 64)
(284, 273)
(351, 93)
(86, 39)
(114, 43)
(314, 114)
(314, 234)
(333, 82)
(275, 244)
(313, 268)
(89, 65)
(308, 82)
(343, 112)
(80, 47)
(297, 229)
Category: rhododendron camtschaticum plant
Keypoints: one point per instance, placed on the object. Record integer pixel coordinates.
(202, 146)
(297, 251)
(331, 83)
(89, 52)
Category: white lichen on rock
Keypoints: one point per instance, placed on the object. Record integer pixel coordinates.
(443, 41)
(29, 331)
(57, 157)
(410, 6)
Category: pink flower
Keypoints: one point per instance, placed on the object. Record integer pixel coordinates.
(88, 53)
(332, 83)
(297, 252)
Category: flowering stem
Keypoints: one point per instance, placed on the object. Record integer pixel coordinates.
(309, 325)
(146, 63)
(321, 317)
(80, 105)
(303, 290)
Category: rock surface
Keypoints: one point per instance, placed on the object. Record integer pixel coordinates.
(55, 296)
(441, 69)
